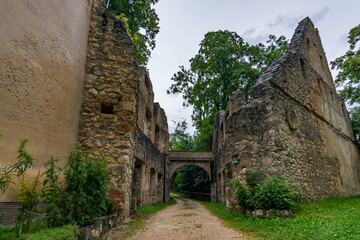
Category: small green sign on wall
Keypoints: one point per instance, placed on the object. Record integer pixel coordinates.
(236, 159)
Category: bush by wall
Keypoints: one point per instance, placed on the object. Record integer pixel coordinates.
(83, 195)
(265, 192)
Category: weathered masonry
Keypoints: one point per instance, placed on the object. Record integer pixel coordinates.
(119, 118)
(78, 80)
(203, 159)
(295, 123)
(42, 64)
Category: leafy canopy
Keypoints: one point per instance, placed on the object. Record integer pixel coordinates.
(348, 77)
(142, 24)
(224, 63)
(190, 178)
(180, 139)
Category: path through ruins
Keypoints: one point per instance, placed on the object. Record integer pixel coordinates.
(186, 219)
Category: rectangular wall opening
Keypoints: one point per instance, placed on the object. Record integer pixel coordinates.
(107, 108)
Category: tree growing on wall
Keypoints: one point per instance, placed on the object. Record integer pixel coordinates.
(348, 77)
(142, 24)
(224, 63)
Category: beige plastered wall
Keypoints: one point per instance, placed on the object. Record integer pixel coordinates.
(42, 63)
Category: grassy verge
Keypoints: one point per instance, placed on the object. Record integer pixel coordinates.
(334, 218)
(142, 214)
(39, 231)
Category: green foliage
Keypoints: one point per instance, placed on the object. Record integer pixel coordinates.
(180, 139)
(240, 191)
(254, 178)
(25, 161)
(203, 135)
(355, 121)
(82, 196)
(271, 193)
(190, 178)
(52, 193)
(142, 24)
(29, 196)
(85, 195)
(39, 231)
(28, 192)
(224, 63)
(200, 141)
(275, 193)
(333, 218)
(348, 77)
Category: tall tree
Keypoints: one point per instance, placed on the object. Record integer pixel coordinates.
(224, 63)
(180, 139)
(348, 77)
(142, 24)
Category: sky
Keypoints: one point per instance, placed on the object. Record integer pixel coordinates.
(183, 24)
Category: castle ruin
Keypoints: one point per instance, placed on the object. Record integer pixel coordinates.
(295, 124)
(78, 80)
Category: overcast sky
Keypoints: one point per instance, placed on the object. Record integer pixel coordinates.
(183, 24)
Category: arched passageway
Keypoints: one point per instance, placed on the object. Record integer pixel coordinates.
(201, 159)
(193, 181)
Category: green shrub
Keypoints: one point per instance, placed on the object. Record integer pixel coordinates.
(83, 195)
(275, 193)
(240, 191)
(29, 193)
(52, 193)
(29, 196)
(270, 193)
(25, 161)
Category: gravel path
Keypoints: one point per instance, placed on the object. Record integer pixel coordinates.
(185, 220)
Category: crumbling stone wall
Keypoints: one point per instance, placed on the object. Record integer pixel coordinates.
(107, 120)
(151, 146)
(42, 59)
(295, 124)
(145, 105)
(119, 118)
(84, 65)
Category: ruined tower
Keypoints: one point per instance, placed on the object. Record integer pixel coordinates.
(119, 119)
(295, 123)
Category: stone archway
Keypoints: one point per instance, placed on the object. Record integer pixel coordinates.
(202, 159)
(176, 165)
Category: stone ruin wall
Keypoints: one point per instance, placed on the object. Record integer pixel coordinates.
(151, 146)
(119, 118)
(55, 71)
(295, 123)
(42, 59)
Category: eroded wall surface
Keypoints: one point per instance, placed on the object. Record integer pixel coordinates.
(107, 121)
(119, 119)
(295, 123)
(151, 147)
(42, 58)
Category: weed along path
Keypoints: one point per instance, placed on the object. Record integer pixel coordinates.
(186, 219)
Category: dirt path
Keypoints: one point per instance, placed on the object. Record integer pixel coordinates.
(185, 220)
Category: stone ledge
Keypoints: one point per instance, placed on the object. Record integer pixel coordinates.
(100, 227)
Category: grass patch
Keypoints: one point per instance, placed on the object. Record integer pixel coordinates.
(142, 214)
(198, 225)
(39, 231)
(333, 218)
